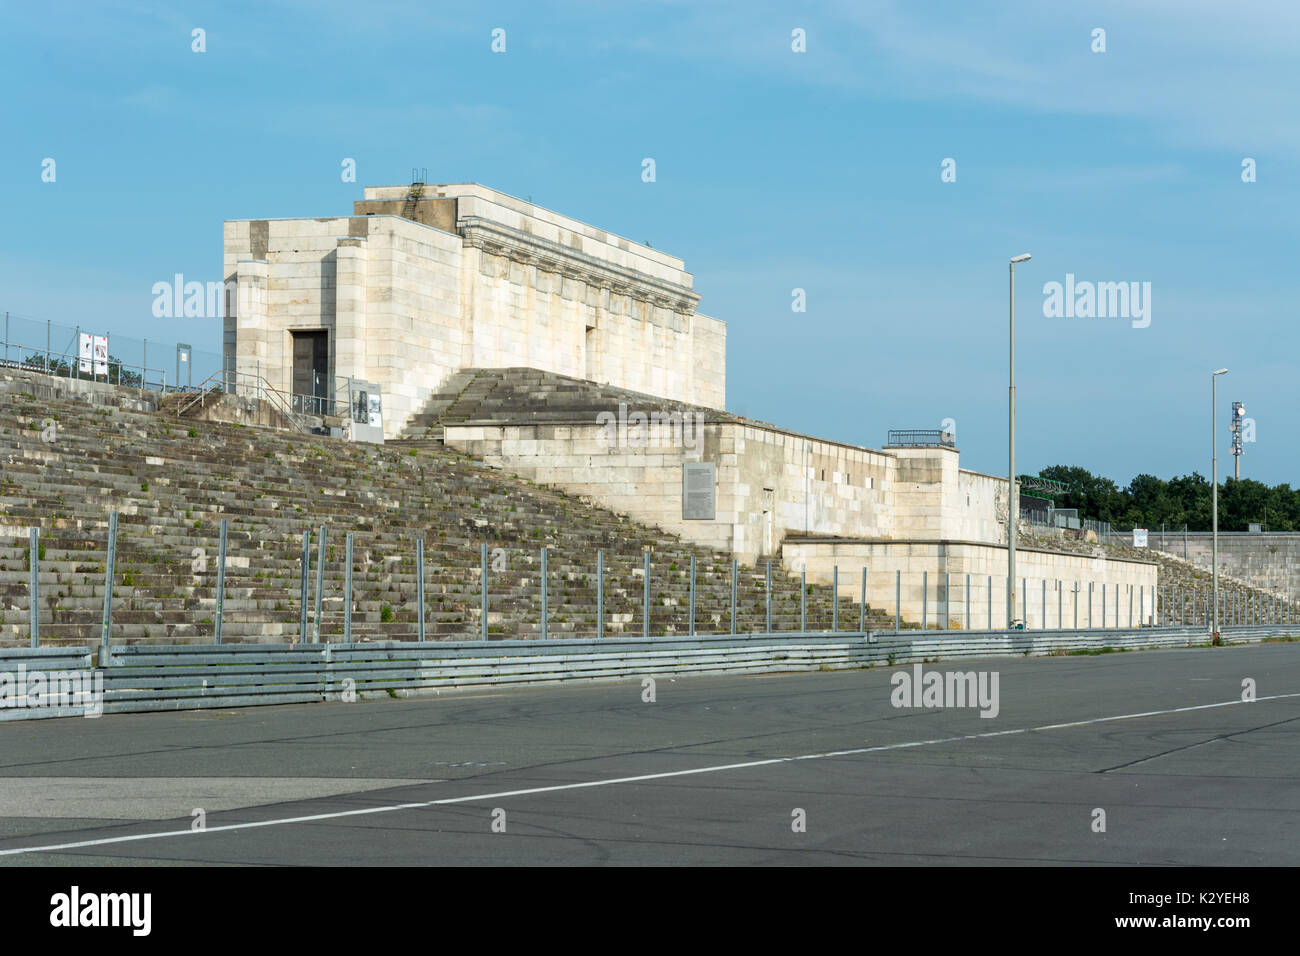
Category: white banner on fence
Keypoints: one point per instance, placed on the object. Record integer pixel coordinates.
(1139, 537)
(101, 355)
(86, 349)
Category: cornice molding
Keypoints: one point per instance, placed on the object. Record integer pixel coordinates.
(527, 249)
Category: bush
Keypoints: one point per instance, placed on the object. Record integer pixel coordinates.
(385, 614)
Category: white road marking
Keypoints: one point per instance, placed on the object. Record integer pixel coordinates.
(475, 798)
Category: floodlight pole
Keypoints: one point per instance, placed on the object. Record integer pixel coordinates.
(1013, 503)
(1214, 495)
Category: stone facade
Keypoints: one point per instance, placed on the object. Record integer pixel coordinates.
(819, 505)
(410, 289)
(770, 483)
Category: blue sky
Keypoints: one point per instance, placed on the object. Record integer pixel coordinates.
(775, 171)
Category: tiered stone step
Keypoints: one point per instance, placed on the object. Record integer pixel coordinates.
(172, 481)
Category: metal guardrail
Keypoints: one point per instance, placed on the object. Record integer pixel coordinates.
(16, 663)
(68, 365)
(141, 678)
(920, 438)
(229, 381)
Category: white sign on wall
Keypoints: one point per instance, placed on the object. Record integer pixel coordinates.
(1139, 537)
(101, 355)
(93, 353)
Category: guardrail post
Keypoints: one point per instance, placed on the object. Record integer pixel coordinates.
(862, 609)
(1060, 605)
(34, 584)
(1117, 605)
(1044, 604)
(110, 560)
(692, 624)
(734, 572)
(600, 594)
(1074, 601)
(221, 580)
(1024, 601)
(898, 600)
(645, 598)
(925, 600)
(320, 582)
(545, 633)
(835, 598)
(1142, 610)
(303, 597)
(419, 589)
(1130, 605)
(1195, 605)
(769, 597)
(347, 595)
(1103, 605)
(947, 599)
(966, 619)
(483, 592)
(803, 599)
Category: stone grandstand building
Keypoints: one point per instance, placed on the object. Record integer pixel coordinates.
(564, 353)
(421, 281)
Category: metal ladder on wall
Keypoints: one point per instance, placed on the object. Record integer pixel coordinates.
(415, 193)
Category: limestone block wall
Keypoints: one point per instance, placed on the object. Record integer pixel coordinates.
(935, 499)
(920, 567)
(413, 334)
(644, 482)
(288, 265)
(546, 291)
(978, 509)
(769, 483)
(1269, 561)
(817, 486)
(385, 288)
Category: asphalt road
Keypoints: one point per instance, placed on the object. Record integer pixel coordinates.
(1160, 741)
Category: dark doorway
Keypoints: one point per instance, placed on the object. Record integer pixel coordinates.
(311, 390)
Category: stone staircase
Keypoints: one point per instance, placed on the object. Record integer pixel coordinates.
(517, 394)
(172, 480)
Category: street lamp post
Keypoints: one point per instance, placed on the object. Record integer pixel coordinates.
(1214, 496)
(1013, 502)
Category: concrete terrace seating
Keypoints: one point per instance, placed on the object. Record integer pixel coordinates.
(172, 481)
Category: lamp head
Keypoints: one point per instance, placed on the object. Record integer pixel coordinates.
(1020, 258)
(1222, 371)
